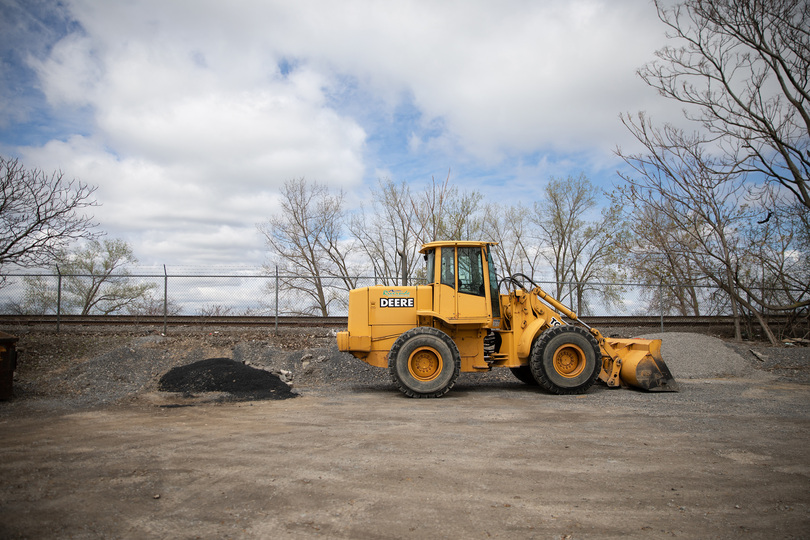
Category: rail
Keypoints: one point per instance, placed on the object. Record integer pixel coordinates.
(331, 322)
(172, 320)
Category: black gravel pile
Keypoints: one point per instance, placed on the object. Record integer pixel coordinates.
(242, 382)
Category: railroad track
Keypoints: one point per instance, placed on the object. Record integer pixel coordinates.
(174, 320)
(331, 322)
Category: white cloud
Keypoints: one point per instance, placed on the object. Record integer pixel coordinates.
(156, 214)
(195, 125)
(503, 76)
(506, 75)
(68, 74)
(190, 140)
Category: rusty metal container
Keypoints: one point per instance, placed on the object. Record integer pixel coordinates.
(8, 363)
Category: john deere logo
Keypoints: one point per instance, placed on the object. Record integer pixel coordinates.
(396, 298)
(396, 302)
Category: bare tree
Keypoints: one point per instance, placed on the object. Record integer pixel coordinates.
(215, 310)
(444, 213)
(581, 252)
(386, 232)
(306, 238)
(777, 277)
(742, 68)
(40, 214)
(654, 256)
(511, 227)
(677, 178)
(95, 280)
(152, 306)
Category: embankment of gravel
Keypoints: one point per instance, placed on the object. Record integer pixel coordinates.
(696, 356)
(81, 370)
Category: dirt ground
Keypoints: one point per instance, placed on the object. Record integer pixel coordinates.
(350, 457)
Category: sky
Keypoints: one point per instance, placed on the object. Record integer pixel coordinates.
(189, 115)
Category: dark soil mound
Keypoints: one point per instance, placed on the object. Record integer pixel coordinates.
(243, 382)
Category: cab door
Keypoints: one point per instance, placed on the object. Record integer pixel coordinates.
(460, 290)
(445, 289)
(471, 286)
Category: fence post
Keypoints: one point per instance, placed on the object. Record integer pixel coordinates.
(58, 299)
(661, 301)
(276, 299)
(165, 298)
(404, 259)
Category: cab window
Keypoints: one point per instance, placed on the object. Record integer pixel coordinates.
(430, 259)
(493, 286)
(448, 267)
(470, 271)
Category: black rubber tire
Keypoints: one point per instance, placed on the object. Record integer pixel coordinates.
(524, 374)
(436, 345)
(581, 344)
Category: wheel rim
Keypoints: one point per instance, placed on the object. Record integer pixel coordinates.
(569, 361)
(425, 364)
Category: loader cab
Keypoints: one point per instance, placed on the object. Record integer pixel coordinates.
(465, 286)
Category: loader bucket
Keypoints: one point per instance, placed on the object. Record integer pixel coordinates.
(642, 365)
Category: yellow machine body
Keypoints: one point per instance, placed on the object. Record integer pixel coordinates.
(462, 303)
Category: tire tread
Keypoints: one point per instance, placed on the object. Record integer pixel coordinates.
(538, 370)
(407, 336)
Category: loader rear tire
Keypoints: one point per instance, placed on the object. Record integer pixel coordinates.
(424, 362)
(566, 360)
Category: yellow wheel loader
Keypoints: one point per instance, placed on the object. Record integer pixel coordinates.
(427, 334)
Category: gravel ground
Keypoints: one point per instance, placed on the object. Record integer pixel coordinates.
(94, 449)
(79, 368)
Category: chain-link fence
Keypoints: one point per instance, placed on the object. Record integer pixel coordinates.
(253, 292)
(240, 293)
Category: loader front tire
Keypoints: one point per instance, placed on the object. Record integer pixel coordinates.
(424, 362)
(566, 360)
